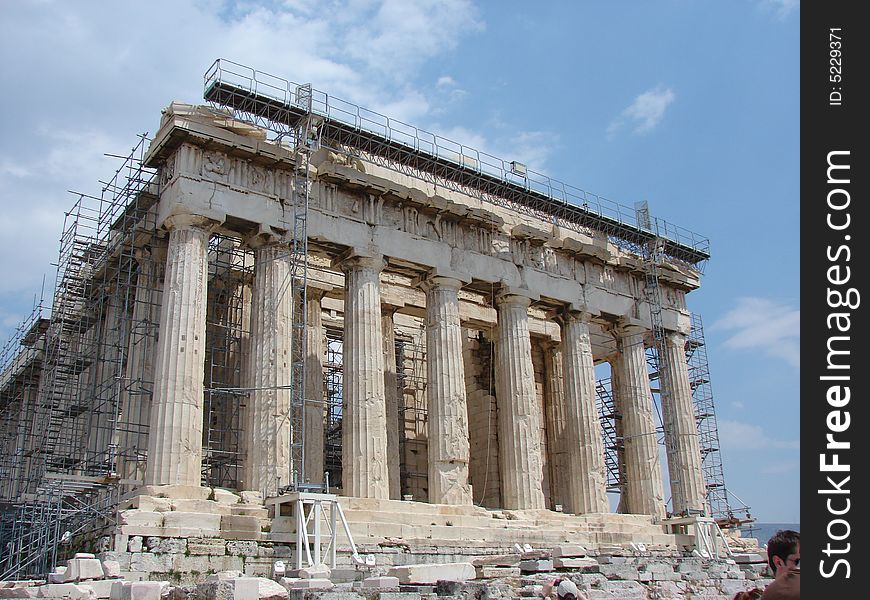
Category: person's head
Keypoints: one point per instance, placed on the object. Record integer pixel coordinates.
(566, 590)
(784, 552)
(753, 594)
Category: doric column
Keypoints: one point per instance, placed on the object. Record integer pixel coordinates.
(585, 473)
(364, 425)
(554, 393)
(688, 490)
(391, 391)
(445, 377)
(518, 421)
(175, 435)
(267, 435)
(136, 395)
(315, 406)
(643, 492)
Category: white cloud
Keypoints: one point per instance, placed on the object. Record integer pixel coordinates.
(90, 76)
(765, 326)
(736, 435)
(645, 113)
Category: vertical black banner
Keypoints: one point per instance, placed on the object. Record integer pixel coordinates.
(835, 225)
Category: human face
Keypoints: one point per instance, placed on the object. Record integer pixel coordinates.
(793, 561)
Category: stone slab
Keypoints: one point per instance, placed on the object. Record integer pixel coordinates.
(433, 572)
(569, 551)
(138, 590)
(102, 588)
(293, 583)
(380, 583)
(192, 520)
(586, 564)
(536, 566)
(492, 572)
(80, 569)
(71, 591)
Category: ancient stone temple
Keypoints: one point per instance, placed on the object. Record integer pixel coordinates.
(286, 297)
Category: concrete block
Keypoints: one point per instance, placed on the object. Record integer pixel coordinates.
(79, 569)
(66, 590)
(111, 569)
(433, 572)
(380, 583)
(192, 520)
(135, 543)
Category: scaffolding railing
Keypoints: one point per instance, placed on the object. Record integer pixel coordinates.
(280, 105)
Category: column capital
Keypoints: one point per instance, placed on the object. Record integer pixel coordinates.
(508, 295)
(267, 236)
(359, 258)
(573, 312)
(436, 278)
(627, 326)
(190, 221)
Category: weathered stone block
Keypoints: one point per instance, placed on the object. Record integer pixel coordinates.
(206, 546)
(79, 569)
(240, 523)
(140, 518)
(111, 569)
(148, 562)
(102, 588)
(139, 590)
(612, 571)
(135, 543)
(292, 583)
(588, 565)
(380, 583)
(192, 520)
(159, 545)
(58, 576)
(229, 588)
(536, 566)
(320, 571)
(431, 573)
(66, 590)
(569, 551)
(209, 507)
(251, 497)
(491, 572)
(84, 555)
(242, 548)
(223, 496)
(176, 491)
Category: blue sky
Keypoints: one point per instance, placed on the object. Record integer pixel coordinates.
(690, 105)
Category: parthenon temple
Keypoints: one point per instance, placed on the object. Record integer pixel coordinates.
(282, 298)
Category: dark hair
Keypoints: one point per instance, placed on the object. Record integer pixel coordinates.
(783, 543)
(753, 594)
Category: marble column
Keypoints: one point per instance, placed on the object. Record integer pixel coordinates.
(267, 434)
(445, 377)
(688, 489)
(586, 473)
(391, 391)
(554, 391)
(364, 421)
(139, 376)
(175, 434)
(518, 420)
(315, 404)
(643, 492)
